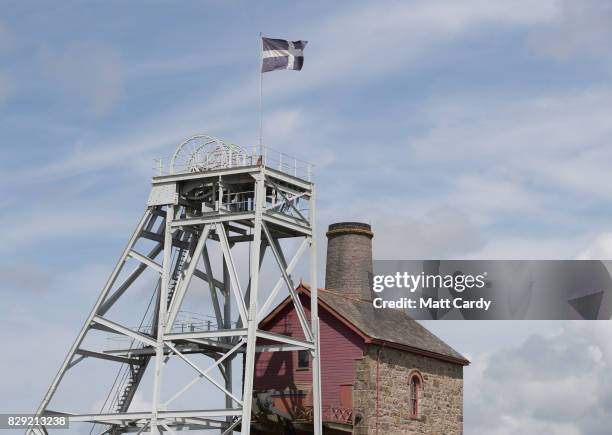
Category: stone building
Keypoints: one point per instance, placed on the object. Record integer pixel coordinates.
(381, 371)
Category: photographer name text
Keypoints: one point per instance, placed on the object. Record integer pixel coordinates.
(456, 283)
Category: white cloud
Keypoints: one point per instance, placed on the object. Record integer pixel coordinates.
(505, 247)
(406, 231)
(480, 199)
(22, 321)
(18, 277)
(439, 233)
(134, 148)
(383, 36)
(139, 403)
(95, 72)
(510, 425)
(183, 63)
(579, 28)
(549, 384)
(521, 159)
(599, 248)
(386, 37)
(45, 223)
(557, 142)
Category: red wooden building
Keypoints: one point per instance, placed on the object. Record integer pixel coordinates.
(351, 332)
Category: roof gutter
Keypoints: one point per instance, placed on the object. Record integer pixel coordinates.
(416, 350)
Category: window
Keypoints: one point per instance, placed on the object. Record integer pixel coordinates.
(303, 359)
(416, 384)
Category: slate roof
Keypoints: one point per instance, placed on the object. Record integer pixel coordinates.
(385, 325)
(389, 325)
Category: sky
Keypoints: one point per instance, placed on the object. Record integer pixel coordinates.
(458, 129)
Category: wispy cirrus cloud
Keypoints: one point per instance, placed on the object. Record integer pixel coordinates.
(96, 73)
(520, 156)
(91, 72)
(374, 40)
(458, 159)
(74, 220)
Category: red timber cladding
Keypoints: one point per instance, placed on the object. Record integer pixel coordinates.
(340, 349)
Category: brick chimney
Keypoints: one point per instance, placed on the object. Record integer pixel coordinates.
(349, 259)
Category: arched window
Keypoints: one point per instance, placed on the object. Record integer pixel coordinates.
(416, 386)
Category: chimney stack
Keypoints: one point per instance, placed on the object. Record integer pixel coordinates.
(349, 259)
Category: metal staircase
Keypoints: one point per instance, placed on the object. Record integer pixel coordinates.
(176, 276)
(125, 391)
(135, 373)
(218, 203)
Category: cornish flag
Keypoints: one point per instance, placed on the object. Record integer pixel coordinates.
(282, 54)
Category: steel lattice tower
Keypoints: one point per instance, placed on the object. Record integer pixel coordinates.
(214, 197)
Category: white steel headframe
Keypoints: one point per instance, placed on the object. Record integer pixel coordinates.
(193, 212)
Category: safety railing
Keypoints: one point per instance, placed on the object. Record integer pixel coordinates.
(337, 414)
(330, 414)
(227, 158)
(185, 322)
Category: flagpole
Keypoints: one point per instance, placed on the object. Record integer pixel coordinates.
(260, 92)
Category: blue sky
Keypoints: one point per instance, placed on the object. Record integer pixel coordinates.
(475, 129)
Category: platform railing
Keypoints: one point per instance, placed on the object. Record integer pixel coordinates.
(329, 414)
(256, 155)
(186, 322)
(337, 414)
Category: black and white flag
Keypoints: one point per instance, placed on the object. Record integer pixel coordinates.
(282, 54)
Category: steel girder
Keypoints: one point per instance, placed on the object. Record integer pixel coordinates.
(268, 214)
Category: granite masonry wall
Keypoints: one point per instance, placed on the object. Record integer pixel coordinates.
(441, 399)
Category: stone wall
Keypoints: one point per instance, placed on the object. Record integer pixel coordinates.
(441, 398)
